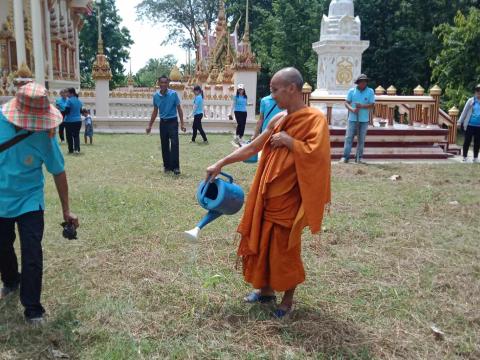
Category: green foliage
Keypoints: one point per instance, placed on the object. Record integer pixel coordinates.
(180, 17)
(148, 75)
(116, 39)
(401, 38)
(457, 66)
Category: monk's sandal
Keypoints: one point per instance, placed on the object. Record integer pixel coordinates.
(255, 297)
(281, 313)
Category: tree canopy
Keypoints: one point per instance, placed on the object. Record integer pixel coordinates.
(148, 75)
(457, 65)
(117, 41)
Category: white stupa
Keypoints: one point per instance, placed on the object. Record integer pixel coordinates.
(339, 49)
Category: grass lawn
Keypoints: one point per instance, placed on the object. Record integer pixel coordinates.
(394, 259)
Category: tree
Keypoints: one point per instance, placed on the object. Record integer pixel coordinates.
(116, 40)
(148, 75)
(457, 66)
(180, 17)
(401, 38)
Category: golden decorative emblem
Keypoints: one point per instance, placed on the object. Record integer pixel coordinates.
(344, 72)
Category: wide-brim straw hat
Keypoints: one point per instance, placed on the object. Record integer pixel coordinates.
(31, 110)
(362, 77)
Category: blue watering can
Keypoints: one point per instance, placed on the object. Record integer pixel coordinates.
(219, 197)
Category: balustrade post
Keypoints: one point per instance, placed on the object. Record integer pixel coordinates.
(391, 91)
(307, 91)
(435, 92)
(378, 107)
(452, 133)
(418, 91)
(425, 116)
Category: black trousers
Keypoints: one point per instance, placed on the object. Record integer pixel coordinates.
(241, 117)
(30, 228)
(61, 131)
(472, 132)
(170, 144)
(197, 126)
(73, 135)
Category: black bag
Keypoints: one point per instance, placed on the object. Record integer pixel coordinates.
(9, 143)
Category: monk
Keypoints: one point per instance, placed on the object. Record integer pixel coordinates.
(290, 191)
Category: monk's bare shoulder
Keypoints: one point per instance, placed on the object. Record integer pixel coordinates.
(275, 120)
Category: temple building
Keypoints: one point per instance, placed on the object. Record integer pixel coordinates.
(223, 60)
(43, 36)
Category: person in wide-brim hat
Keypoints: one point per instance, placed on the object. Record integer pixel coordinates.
(362, 77)
(31, 110)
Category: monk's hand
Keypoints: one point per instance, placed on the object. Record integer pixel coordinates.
(212, 172)
(281, 139)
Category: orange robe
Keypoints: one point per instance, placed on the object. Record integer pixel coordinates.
(289, 192)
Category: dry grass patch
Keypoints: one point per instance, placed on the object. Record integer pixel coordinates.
(394, 259)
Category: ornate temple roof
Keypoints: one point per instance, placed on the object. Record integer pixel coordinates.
(220, 53)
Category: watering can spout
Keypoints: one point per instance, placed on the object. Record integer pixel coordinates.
(207, 219)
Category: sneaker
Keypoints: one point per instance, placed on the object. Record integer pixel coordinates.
(6, 291)
(343, 161)
(465, 159)
(237, 140)
(205, 142)
(476, 161)
(361, 162)
(37, 321)
(176, 172)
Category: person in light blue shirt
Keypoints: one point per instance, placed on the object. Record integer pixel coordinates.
(469, 121)
(268, 110)
(166, 103)
(198, 114)
(73, 121)
(27, 143)
(60, 103)
(360, 102)
(239, 108)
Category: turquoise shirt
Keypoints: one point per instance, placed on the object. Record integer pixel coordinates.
(269, 108)
(21, 175)
(198, 105)
(75, 106)
(365, 97)
(475, 119)
(60, 103)
(166, 104)
(240, 103)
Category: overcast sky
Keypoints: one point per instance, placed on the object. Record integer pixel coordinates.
(147, 38)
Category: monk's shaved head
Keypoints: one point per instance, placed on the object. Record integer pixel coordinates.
(289, 76)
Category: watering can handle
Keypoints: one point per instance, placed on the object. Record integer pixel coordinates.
(207, 184)
(228, 176)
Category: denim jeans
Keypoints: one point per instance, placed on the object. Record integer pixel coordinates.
(351, 132)
(170, 144)
(30, 228)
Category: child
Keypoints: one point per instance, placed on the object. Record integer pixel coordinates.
(88, 126)
(198, 114)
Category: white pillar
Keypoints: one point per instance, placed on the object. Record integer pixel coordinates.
(37, 31)
(49, 41)
(77, 54)
(102, 94)
(19, 32)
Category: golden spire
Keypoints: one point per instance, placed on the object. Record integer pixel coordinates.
(101, 67)
(100, 40)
